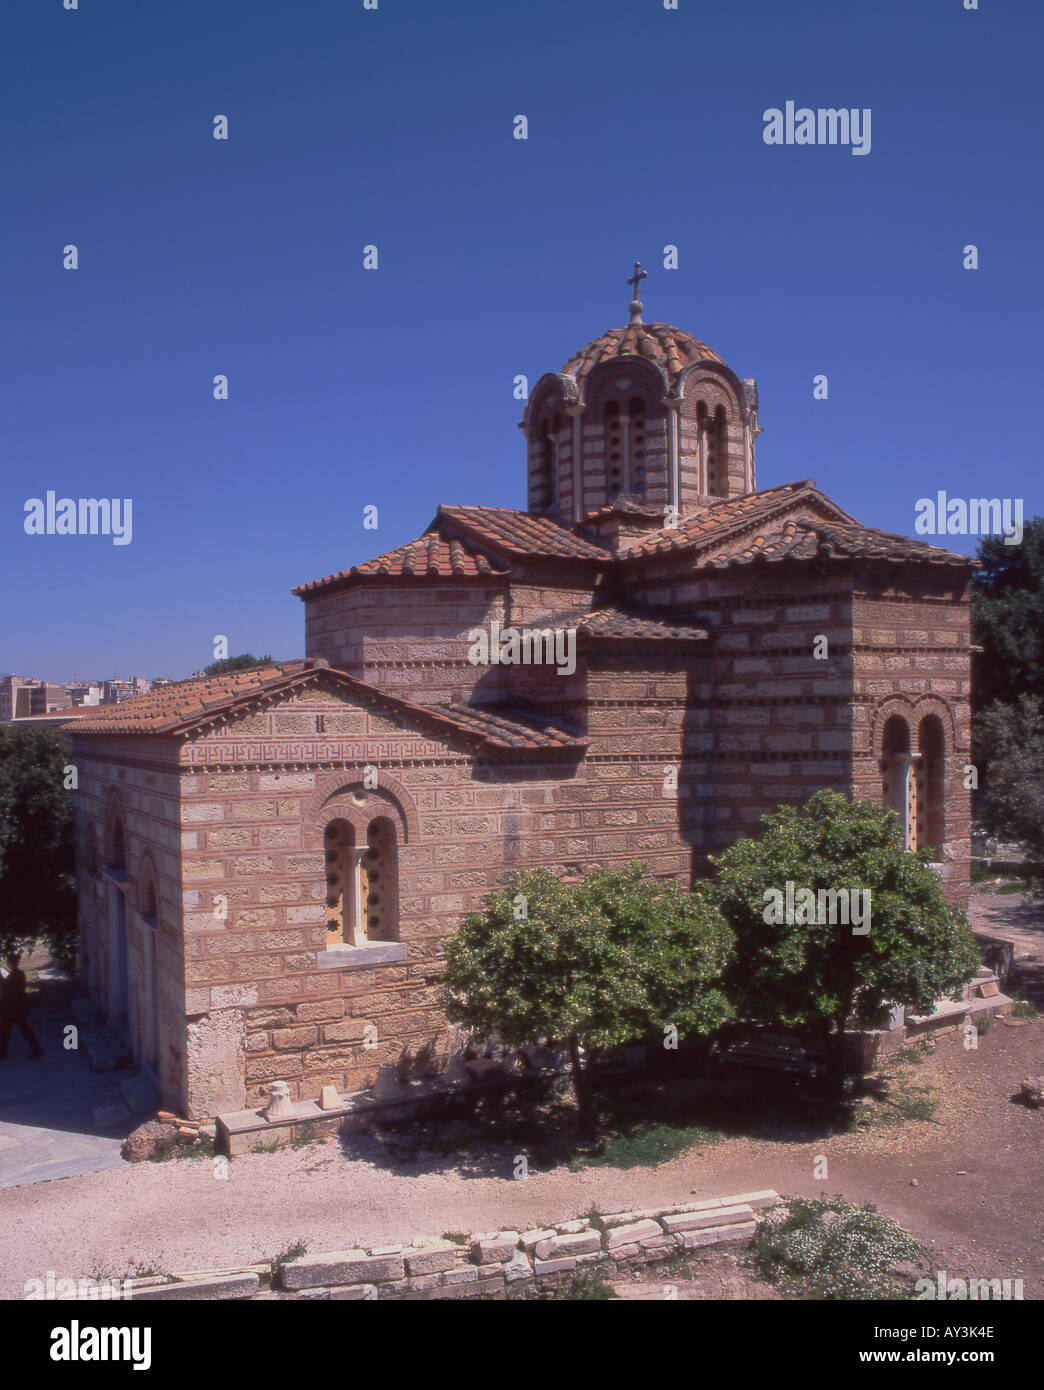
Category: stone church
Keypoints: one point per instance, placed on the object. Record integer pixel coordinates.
(269, 860)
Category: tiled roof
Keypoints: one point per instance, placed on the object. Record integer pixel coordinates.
(510, 728)
(185, 705)
(810, 540)
(714, 523)
(666, 347)
(520, 533)
(171, 707)
(617, 625)
(429, 557)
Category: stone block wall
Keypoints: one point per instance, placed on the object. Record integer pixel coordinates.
(136, 781)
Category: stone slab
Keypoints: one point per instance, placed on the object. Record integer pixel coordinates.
(699, 1220)
(340, 1267)
(629, 1235)
(717, 1235)
(220, 1286)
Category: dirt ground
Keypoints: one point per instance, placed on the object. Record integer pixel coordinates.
(967, 1182)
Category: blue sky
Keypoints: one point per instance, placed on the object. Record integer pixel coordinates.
(497, 257)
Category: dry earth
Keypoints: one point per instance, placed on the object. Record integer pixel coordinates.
(968, 1182)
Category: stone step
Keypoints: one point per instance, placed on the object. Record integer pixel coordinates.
(104, 1049)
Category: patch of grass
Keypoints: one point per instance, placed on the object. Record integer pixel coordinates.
(1022, 1008)
(834, 1250)
(180, 1146)
(588, 1286)
(456, 1237)
(1013, 887)
(646, 1146)
(983, 1026)
(290, 1252)
(272, 1148)
(979, 872)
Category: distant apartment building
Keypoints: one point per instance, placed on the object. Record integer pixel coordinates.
(15, 696)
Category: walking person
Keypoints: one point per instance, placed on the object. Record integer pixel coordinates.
(14, 1007)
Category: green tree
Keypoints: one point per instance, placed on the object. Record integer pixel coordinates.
(594, 964)
(236, 663)
(1008, 618)
(37, 893)
(1012, 804)
(800, 972)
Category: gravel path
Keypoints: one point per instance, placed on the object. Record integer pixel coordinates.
(977, 1194)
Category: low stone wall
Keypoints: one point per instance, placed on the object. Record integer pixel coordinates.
(482, 1264)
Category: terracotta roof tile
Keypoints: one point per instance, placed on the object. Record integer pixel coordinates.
(511, 728)
(619, 625)
(713, 523)
(169, 707)
(820, 540)
(660, 343)
(431, 556)
(183, 706)
(521, 533)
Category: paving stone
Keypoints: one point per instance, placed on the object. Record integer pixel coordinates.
(468, 1274)
(541, 1267)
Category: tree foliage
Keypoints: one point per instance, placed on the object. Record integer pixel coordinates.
(37, 894)
(918, 947)
(1008, 618)
(236, 663)
(597, 964)
(1012, 805)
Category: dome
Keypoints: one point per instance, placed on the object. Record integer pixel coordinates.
(660, 344)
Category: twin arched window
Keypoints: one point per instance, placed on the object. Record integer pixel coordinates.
(914, 784)
(361, 883)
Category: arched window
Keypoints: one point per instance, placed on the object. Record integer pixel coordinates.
(898, 785)
(91, 857)
(614, 459)
(117, 847)
(713, 432)
(379, 877)
(637, 451)
(361, 883)
(339, 847)
(930, 785)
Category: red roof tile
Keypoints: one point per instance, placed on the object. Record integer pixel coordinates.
(520, 533)
(714, 523)
(618, 625)
(431, 556)
(801, 539)
(185, 706)
(668, 348)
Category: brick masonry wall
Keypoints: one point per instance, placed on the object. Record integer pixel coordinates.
(137, 780)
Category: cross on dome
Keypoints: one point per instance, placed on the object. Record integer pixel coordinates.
(636, 280)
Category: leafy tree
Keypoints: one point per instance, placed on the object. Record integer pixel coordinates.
(37, 896)
(235, 663)
(810, 972)
(596, 964)
(1012, 805)
(1008, 618)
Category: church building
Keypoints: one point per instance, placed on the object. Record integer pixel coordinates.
(639, 665)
